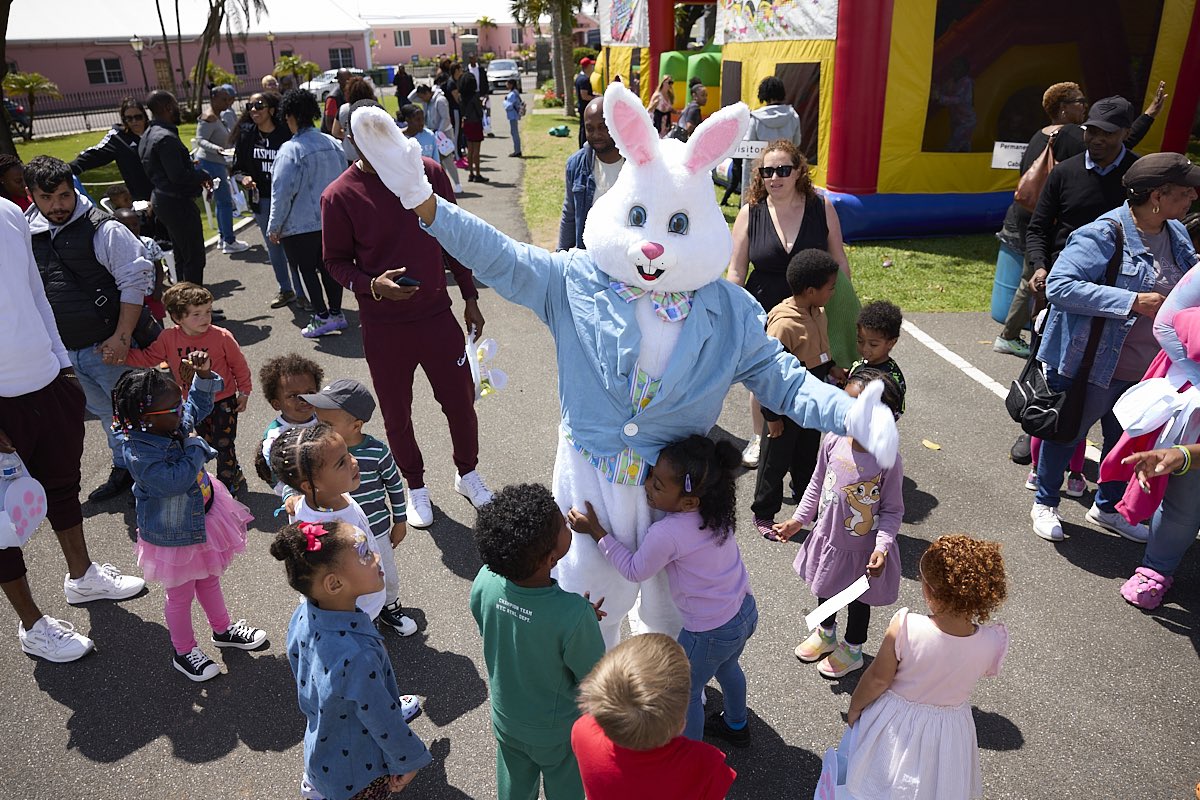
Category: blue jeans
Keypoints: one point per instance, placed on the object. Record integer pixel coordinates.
(1174, 526)
(288, 281)
(223, 198)
(1055, 456)
(715, 653)
(98, 380)
(514, 129)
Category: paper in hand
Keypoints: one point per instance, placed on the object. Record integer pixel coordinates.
(836, 603)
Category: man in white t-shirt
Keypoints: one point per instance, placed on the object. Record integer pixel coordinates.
(591, 171)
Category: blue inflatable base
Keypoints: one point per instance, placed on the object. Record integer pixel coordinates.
(901, 216)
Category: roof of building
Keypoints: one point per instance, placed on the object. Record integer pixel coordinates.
(464, 12)
(110, 22)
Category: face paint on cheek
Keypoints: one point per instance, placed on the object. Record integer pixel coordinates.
(365, 556)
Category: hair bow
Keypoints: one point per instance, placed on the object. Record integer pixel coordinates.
(312, 531)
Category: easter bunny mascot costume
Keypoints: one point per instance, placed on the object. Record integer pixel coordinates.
(648, 336)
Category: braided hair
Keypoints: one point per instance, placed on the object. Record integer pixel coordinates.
(706, 469)
(134, 392)
(291, 547)
(296, 456)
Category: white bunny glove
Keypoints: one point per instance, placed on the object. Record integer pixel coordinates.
(394, 156)
(872, 424)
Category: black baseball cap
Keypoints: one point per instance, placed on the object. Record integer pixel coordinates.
(1157, 169)
(346, 395)
(1110, 114)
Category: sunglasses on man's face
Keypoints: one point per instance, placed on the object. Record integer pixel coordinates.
(257, 105)
(771, 172)
(135, 118)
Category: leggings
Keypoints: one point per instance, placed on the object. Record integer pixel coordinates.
(858, 619)
(304, 250)
(1077, 458)
(219, 429)
(178, 610)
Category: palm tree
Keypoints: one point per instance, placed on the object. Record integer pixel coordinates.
(295, 66)
(484, 24)
(32, 85)
(562, 24)
(234, 18)
(166, 46)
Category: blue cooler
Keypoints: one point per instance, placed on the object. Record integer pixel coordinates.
(1009, 264)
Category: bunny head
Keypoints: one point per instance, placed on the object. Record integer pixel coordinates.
(659, 227)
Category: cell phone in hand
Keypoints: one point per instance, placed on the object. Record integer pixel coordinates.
(404, 280)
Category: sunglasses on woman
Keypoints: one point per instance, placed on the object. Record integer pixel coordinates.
(771, 172)
(257, 105)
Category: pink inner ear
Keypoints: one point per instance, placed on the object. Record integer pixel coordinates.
(631, 127)
(706, 149)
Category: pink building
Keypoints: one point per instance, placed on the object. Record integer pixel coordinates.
(85, 45)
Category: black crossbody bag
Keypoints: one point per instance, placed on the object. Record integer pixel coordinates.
(107, 305)
(1047, 414)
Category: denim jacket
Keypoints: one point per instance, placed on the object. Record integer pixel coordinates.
(304, 166)
(1076, 292)
(581, 189)
(170, 505)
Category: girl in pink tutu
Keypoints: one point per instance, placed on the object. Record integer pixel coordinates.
(189, 526)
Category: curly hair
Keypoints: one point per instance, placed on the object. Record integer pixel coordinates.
(303, 565)
(1057, 96)
(882, 316)
(271, 376)
(297, 454)
(892, 397)
(135, 391)
(358, 88)
(47, 173)
(810, 269)
(771, 91)
(517, 529)
(302, 105)
(758, 189)
(179, 297)
(964, 576)
(638, 692)
(709, 467)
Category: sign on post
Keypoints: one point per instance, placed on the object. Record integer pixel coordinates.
(1007, 155)
(747, 149)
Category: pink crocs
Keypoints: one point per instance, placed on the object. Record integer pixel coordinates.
(1146, 588)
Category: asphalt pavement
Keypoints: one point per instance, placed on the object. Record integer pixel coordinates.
(1097, 699)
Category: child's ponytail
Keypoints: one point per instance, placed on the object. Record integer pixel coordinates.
(707, 470)
(294, 547)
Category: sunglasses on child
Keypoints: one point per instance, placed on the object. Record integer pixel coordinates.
(177, 410)
(771, 172)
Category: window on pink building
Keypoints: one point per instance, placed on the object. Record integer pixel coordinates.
(104, 70)
(239, 64)
(403, 38)
(437, 37)
(340, 57)
(518, 35)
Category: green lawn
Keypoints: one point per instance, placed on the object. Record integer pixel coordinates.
(545, 158)
(97, 180)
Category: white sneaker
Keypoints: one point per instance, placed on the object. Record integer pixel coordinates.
(1046, 522)
(54, 640)
(472, 487)
(236, 246)
(308, 791)
(1113, 521)
(457, 188)
(420, 509)
(101, 582)
(410, 706)
(750, 454)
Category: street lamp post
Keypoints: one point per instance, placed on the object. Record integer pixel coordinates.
(138, 45)
(271, 41)
(454, 37)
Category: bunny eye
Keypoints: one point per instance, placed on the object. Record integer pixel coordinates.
(637, 217)
(678, 223)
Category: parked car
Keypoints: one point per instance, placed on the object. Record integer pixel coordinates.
(324, 84)
(501, 70)
(18, 119)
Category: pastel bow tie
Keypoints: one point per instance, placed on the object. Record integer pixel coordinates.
(670, 306)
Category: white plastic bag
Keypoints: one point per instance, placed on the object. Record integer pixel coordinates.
(478, 356)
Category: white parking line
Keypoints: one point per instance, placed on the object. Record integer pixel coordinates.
(972, 372)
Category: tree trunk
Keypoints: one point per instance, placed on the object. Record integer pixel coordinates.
(564, 28)
(166, 48)
(6, 141)
(556, 59)
(179, 47)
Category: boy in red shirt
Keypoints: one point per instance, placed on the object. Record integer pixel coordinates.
(190, 308)
(629, 741)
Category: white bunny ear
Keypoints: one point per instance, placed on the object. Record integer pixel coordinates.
(716, 137)
(629, 125)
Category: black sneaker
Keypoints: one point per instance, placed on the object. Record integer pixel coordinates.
(282, 299)
(716, 727)
(119, 480)
(303, 305)
(394, 617)
(241, 636)
(197, 666)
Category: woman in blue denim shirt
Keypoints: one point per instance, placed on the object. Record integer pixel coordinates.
(1156, 252)
(189, 526)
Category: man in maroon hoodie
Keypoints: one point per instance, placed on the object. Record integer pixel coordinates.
(371, 244)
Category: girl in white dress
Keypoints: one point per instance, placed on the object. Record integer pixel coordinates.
(913, 734)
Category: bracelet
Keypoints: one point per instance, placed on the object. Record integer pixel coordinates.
(1187, 459)
(375, 294)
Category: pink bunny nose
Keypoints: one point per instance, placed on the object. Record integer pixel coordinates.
(652, 250)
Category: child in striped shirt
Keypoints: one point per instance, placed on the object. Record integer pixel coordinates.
(346, 405)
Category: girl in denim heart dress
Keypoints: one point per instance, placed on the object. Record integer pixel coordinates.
(189, 526)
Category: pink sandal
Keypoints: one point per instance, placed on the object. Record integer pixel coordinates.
(1145, 589)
